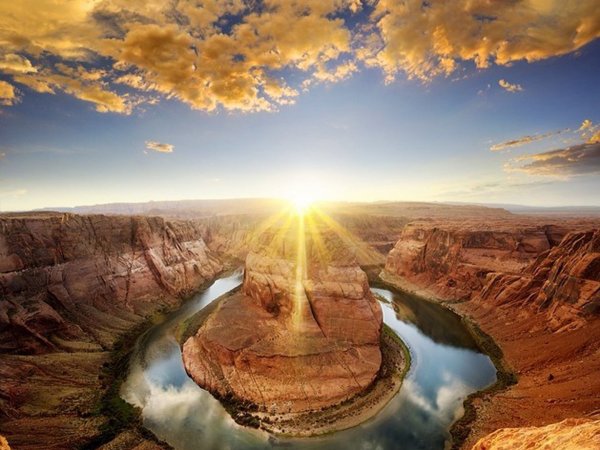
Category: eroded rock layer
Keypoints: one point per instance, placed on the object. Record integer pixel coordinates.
(451, 260)
(536, 290)
(579, 434)
(299, 336)
(563, 283)
(65, 277)
(70, 287)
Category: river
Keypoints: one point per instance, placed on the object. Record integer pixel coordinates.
(446, 367)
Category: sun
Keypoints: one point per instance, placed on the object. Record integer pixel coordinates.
(301, 202)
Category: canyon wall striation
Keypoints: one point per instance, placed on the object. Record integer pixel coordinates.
(535, 288)
(70, 287)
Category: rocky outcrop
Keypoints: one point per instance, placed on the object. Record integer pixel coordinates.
(451, 260)
(298, 337)
(542, 268)
(575, 434)
(68, 278)
(562, 283)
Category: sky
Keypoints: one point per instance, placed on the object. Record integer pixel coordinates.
(127, 101)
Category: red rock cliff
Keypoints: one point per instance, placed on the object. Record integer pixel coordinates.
(66, 277)
(562, 283)
(451, 260)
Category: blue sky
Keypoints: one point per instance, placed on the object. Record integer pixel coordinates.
(355, 137)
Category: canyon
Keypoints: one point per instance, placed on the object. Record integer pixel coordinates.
(76, 288)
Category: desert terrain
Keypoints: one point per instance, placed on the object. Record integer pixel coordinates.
(77, 289)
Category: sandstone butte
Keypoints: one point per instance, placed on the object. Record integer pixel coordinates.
(299, 337)
(535, 289)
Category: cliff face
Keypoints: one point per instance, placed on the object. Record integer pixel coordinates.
(563, 283)
(580, 434)
(69, 287)
(299, 337)
(542, 268)
(88, 278)
(536, 290)
(451, 260)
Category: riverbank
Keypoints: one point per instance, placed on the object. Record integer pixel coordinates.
(347, 414)
(124, 427)
(543, 377)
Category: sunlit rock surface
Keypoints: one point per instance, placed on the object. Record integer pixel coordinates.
(66, 277)
(70, 287)
(303, 333)
(562, 283)
(543, 269)
(534, 287)
(570, 434)
(4, 444)
(450, 260)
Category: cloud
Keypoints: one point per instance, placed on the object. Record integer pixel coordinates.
(590, 132)
(428, 39)
(220, 54)
(8, 95)
(582, 159)
(159, 147)
(510, 87)
(585, 125)
(79, 82)
(524, 140)
(243, 55)
(16, 63)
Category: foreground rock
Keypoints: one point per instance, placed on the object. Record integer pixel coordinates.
(575, 434)
(538, 301)
(70, 287)
(299, 337)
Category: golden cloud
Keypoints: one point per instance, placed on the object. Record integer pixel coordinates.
(525, 140)
(586, 124)
(233, 54)
(590, 132)
(582, 159)
(426, 39)
(159, 147)
(11, 63)
(8, 96)
(510, 87)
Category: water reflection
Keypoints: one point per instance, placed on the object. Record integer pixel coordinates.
(446, 368)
